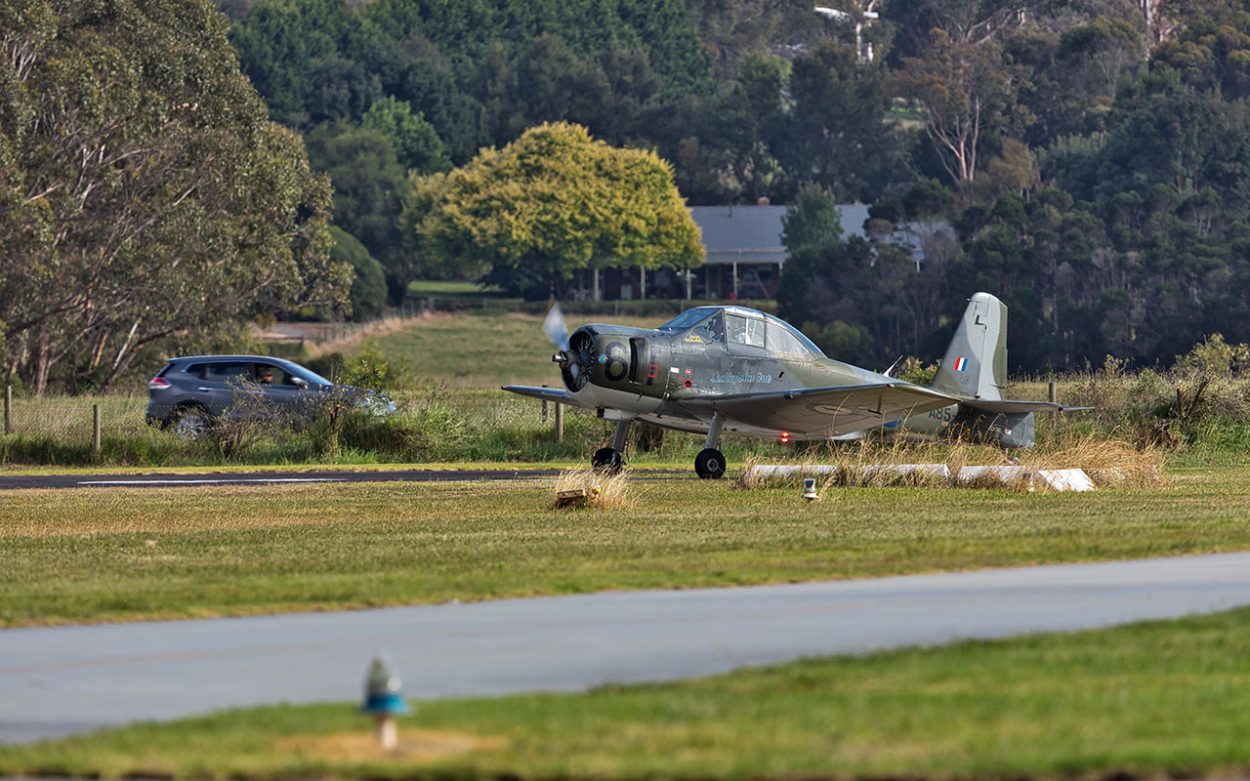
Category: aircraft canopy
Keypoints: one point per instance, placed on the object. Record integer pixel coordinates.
(741, 325)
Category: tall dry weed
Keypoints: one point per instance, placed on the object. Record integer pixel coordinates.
(900, 462)
(603, 491)
(1108, 462)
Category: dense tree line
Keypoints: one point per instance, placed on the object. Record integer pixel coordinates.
(1085, 160)
(1092, 165)
(694, 81)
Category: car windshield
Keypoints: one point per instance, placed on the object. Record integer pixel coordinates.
(308, 375)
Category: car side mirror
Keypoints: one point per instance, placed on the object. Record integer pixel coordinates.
(300, 383)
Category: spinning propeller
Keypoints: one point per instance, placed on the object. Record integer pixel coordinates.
(574, 356)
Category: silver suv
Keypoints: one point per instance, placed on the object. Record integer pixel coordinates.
(190, 392)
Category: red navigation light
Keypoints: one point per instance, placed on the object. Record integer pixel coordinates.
(785, 437)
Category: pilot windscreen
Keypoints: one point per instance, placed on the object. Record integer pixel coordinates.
(711, 329)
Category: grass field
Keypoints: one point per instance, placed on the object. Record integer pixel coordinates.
(482, 350)
(453, 410)
(1153, 700)
(450, 287)
(436, 425)
(120, 555)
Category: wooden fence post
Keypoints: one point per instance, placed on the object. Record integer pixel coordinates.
(1054, 419)
(8, 410)
(95, 430)
(559, 422)
(544, 407)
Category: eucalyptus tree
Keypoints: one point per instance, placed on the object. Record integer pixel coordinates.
(144, 194)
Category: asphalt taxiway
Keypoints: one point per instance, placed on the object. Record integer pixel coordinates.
(63, 680)
(266, 477)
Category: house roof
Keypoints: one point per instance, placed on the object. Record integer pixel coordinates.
(752, 234)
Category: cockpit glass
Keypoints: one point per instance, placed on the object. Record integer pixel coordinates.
(785, 339)
(710, 323)
(744, 330)
(688, 318)
(711, 329)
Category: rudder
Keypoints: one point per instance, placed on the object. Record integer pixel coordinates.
(975, 364)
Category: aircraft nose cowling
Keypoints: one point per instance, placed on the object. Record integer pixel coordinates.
(578, 362)
(631, 360)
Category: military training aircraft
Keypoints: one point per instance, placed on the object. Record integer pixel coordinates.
(714, 369)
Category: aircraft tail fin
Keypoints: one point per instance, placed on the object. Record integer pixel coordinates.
(975, 364)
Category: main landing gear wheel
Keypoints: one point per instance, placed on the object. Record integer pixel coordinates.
(710, 464)
(607, 459)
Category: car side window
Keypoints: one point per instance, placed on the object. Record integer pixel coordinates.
(195, 370)
(268, 374)
(228, 372)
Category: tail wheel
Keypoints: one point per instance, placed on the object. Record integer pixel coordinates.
(710, 464)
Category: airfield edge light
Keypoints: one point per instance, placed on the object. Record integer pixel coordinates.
(809, 489)
(384, 700)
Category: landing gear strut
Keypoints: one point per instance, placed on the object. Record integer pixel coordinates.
(612, 459)
(710, 463)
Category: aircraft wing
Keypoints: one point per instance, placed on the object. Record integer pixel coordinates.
(1009, 407)
(832, 411)
(558, 395)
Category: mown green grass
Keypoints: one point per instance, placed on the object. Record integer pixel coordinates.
(129, 554)
(1152, 699)
(449, 287)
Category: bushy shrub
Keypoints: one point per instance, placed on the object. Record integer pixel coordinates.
(373, 370)
(915, 371)
(1205, 393)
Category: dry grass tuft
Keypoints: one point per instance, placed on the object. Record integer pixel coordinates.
(872, 463)
(1110, 463)
(603, 491)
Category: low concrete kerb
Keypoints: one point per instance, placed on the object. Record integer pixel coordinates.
(967, 477)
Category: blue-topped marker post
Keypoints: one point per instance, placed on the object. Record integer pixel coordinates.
(384, 698)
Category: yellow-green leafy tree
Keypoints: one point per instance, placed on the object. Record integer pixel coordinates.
(552, 202)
